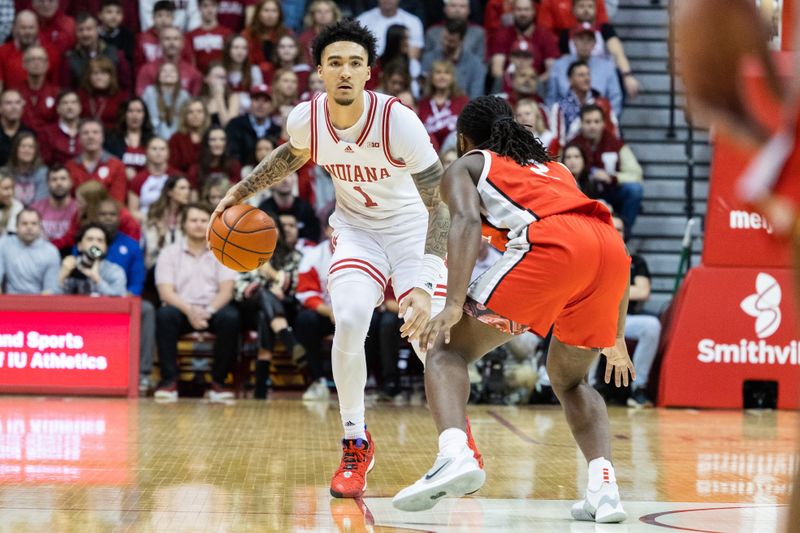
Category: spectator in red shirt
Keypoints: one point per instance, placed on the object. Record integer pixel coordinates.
(242, 74)
(222, 103)
(265, 30)
(59, 208)
(39, 95)
(148, 43)
(94, 163)
(60, 140)
(442, 103)
(497, 15)
(558, 16)
(112, 31)
(90, 46)
(146, 187)
(185, 144)
(11, 104)
(234, 13)
(208, 41)
(101, 97)
(543, 45)
(615, 174)
(55, 29)
(320, 13)
(24, 35)
(214, 160)
(132, 133)
(172, 45)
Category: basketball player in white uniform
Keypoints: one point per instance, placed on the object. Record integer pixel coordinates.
(389, 223)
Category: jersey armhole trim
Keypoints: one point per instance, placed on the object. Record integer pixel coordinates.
(487, 165)
(314, 128)
(387, 111)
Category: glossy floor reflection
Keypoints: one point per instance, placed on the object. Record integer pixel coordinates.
(96, 465)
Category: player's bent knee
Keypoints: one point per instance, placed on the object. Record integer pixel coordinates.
(440, 357)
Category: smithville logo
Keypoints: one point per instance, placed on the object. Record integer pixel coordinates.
(764, 306)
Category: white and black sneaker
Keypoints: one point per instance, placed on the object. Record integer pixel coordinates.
(602, 506)
(449, 477)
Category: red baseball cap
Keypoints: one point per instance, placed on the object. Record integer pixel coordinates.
(261, 89)
(583, 27)
(521, 47)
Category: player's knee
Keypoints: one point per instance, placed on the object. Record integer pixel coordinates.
(352, 324)
(438, 359)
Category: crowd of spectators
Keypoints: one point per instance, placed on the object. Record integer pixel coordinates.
(122, 121)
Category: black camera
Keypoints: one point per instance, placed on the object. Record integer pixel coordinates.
(87, 257)
(77, 282)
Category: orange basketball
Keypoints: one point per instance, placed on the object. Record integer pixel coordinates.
(243, 238)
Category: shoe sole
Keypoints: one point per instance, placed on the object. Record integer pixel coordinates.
(461, 485)
(612, 518)
(581, 514)
(363, 489)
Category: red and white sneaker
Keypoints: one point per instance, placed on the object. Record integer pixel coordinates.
(358, 458)
(473, 446)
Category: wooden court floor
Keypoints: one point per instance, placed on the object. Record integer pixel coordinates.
(103, 465)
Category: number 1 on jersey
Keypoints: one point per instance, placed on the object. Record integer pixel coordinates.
(368, 202)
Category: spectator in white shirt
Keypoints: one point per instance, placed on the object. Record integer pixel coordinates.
(387, 14)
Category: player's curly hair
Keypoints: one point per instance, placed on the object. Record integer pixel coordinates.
(489, 123)
(345, 30)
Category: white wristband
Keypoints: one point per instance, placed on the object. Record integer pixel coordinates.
(429, 273)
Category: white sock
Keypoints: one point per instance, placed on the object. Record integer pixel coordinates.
(452, 441)
(600, 471)
(353, 423)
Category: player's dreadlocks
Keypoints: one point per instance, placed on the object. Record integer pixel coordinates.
(489, 123)
(345, 30)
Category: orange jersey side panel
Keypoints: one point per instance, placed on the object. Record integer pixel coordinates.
(541, 189)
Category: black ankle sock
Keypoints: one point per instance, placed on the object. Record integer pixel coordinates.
(262, 379)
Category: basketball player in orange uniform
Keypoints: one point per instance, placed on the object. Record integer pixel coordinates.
(389, 222)
(563, 265)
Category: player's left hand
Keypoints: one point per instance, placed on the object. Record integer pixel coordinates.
(441, 323)
(619, 362)
(415, 310)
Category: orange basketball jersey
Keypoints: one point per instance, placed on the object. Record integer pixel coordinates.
(514, 197)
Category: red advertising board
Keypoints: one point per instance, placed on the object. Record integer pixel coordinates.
(730, 325)
(69, 345)
(735, 235)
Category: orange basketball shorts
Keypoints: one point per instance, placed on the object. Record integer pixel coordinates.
(572, 277)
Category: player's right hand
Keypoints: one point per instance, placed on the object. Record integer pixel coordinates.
(441, 323)
(619, 363)
(231, 198)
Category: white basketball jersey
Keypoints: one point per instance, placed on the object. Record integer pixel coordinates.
(372, 186)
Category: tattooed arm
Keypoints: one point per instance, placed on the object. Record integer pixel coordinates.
(427, 183)
(281, 162)
(419, 299)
